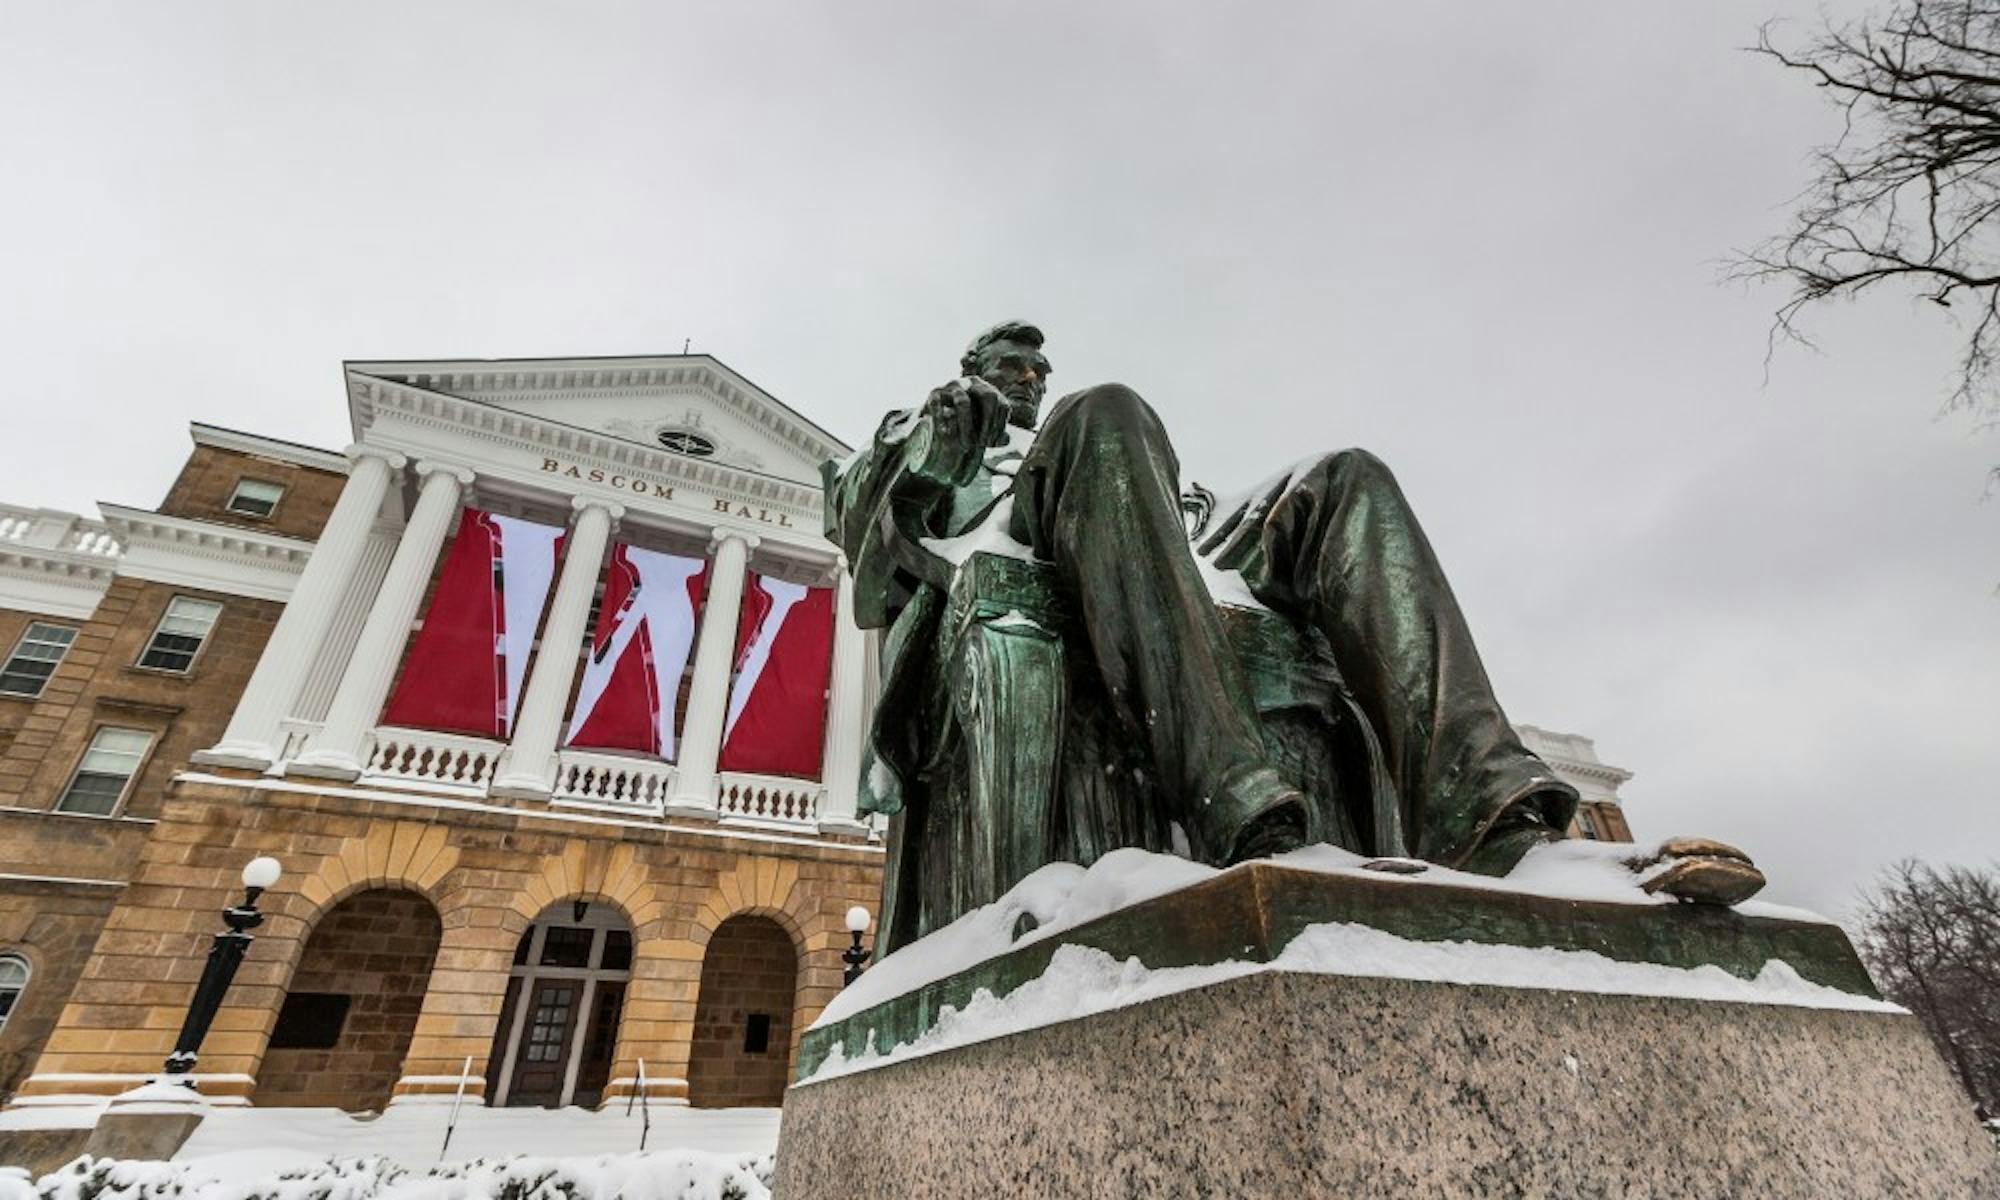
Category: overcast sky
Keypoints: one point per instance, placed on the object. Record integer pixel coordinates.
(1480, 240)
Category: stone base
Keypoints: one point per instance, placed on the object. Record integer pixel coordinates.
(40, 1151)
(144, 1136)
(1285, 1084)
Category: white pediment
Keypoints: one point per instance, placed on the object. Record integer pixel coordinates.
(687, 404)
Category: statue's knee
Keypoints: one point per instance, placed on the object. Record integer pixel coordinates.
(1355, 467)
(1114, 402)
(1111, 411)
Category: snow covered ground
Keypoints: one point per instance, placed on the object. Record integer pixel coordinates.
(289, 1175)
(412, 1134)
(322, 1154)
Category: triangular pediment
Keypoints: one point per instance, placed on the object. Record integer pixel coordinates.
(688, 404)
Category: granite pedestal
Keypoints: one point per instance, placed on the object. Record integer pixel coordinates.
(1284, 1083)
(1312, 1085)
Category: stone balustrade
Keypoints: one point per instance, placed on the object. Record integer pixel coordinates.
(614, 779)
(430, 761)
(768, 799)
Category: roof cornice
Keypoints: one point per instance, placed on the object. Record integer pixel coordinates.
(468, 379)
(206, 555)
(263, 447)
(372, 395)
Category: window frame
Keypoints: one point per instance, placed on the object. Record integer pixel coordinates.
(229, 505)
(139, 765)
(27, 977)
(194, 659)
(21, 643)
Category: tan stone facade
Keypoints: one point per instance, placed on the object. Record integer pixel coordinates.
(487, 874)
(404, 912)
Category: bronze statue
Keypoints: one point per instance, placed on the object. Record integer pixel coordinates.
(1059, 680)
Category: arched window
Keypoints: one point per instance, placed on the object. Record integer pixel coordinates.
(13, 981)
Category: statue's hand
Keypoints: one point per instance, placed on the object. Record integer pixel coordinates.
(964, 418)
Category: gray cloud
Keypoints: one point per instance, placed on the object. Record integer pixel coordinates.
(1480, 240)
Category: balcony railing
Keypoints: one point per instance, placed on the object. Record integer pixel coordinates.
(50, 530)
(420, 758)
(611, 779)
(768, 799)
(423, 760)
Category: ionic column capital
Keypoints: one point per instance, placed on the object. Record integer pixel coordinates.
(427, 467)
(610, 508)
(396, 460)
(749, 541)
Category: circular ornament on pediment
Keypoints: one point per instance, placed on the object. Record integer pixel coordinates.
(688, 442)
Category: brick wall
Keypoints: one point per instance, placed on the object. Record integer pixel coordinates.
(15, 709)
(100, 683)
(53, 926)
(377, 947)
(751, 967)
(208, 480)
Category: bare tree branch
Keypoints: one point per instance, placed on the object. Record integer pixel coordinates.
(1908, 196)
(1932, 940)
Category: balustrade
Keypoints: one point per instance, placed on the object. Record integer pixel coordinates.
(769, 799)
(418, 757)
(612, 779)
(47, 529)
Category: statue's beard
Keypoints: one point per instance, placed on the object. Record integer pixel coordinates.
(1022, 413)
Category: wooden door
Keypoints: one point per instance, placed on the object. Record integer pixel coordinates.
(543, 1057)
(598, 1043)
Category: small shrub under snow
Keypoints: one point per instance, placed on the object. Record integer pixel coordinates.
(659, 1175)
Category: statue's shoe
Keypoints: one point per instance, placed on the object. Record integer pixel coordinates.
(1279, 823)
(1701, 871)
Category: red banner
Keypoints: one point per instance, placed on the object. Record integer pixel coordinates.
(777, 702)
(629, 698)
(465, 669)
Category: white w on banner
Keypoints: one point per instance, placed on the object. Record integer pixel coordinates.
(777, 702)
(466, 665)
(629, 698)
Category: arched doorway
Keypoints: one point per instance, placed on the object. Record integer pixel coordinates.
(559, 1023)
(742, 1051)
(352, 1004)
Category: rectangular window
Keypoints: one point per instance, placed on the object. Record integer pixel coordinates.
(35, 659)
(310, 1021)
(757, 1033)
(106, 769)
(254, 498)
(179, 637)
(566, 947)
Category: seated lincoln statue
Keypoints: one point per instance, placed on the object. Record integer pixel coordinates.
(1079, 658)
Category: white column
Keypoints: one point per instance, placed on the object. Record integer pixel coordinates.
(357, 703)
(530, 771)
(714, 654)
(253, 736)
(846, 716)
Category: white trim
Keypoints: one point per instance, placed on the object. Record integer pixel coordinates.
(206, 555)
(268, 783)
(512, 450)
(54, 563)
(48, 812)
(8, 877)
(263, 447)
(528, 376)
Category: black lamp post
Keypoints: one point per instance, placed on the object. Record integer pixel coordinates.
(854, 956)
(224, 956)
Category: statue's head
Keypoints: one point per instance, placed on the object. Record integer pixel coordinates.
(1009, 356)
